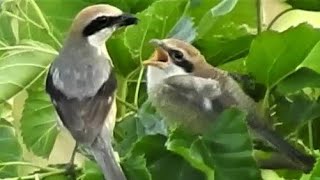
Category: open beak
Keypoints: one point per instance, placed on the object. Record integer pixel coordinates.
(160, 56)
(127, 19)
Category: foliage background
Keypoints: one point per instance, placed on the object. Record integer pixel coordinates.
(232, 34)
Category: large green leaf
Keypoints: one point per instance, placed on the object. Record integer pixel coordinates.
(315, 174)
(10, 149)
(309, 5)
(274, 56)
(21, 66)
(229, 141)
(189, 148)
(295, 111)
(226, 30)
(224, 148)
(302, 78)
(39, 121)
(173, 167)
(136, 168)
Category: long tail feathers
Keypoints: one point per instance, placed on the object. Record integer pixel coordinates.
(306, 162)
(103, 153)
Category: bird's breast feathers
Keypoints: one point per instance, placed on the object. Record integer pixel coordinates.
(79, 81)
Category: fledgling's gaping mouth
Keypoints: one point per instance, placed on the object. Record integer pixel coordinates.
(160, 56)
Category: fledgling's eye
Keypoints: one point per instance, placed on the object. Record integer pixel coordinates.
(177, 54)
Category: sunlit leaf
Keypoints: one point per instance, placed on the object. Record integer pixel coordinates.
(39, 121)
(274, 56)
(10, 149)
(30, 61)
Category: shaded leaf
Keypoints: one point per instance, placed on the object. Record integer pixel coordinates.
(39, 121)
(295, 111)
(188, 147)
(10, 149)
(300, 79)
(309, 5)
(173, 167)
(135, 168)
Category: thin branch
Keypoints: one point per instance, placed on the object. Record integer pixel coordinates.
(259, 16)
(277, 17)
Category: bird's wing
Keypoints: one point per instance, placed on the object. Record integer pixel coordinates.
(197, 91)
(84, 117)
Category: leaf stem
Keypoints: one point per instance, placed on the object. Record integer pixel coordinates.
(136, 94)
(265, 103)
(130, 106)
(259, 16)
(40, 175)
(310, 134)
(29, 20)
(21, 47)
(21, 163)
(277, 17)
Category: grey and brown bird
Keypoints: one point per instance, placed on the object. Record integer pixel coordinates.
(82, 84)
(189, 92)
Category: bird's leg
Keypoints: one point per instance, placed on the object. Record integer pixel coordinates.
(70, 168)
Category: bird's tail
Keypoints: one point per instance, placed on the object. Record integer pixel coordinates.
(102, 151)
(306, 162)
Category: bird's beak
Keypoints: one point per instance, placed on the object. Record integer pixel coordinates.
(160, 57)
(127, 19)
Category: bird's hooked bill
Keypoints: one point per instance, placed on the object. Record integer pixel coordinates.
(160, 57)
(127, 19)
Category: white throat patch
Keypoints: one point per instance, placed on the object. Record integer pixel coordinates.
(99, 38)
(156, 75)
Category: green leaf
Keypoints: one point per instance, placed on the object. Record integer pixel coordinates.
(229, 141)
(184, 30)
(302, 78)
(155, 22)
(39, 121)
(173, 167)
(309, 5)
(91, 171)
(226, 30)
(274, 56)
(315, 174)
(135, 168)
(30, 60)
(295, 110)
(10, 149)
(189, 148)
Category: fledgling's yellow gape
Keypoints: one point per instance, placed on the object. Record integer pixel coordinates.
(188, 91)
(82, 84)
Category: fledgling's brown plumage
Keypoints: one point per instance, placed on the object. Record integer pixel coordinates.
(178, 81)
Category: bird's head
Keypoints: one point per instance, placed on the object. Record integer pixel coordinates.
(96, 23)
(172, 57)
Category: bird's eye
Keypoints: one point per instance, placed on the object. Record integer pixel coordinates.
(177, 54)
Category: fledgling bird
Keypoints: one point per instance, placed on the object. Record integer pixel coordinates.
(82, 85)
(188, 91)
